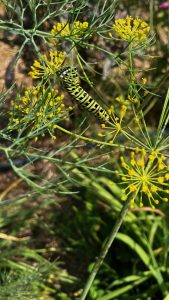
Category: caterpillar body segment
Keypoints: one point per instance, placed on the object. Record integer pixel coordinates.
(71, 82)
(69, 75)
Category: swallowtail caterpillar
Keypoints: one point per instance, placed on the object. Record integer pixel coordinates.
(70, 78)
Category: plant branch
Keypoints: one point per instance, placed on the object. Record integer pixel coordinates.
(105, 249)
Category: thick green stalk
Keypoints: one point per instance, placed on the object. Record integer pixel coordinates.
(105, 249)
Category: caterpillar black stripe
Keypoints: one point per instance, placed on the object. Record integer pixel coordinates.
(70, 79)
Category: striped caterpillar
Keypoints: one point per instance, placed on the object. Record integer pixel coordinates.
(71, 82)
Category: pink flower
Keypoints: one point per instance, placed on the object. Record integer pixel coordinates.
(164, 5)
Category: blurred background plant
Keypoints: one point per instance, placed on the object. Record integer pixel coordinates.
(62, 180)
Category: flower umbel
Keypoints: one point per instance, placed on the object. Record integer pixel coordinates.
(37, 110)
(116, 118)
(146, 177)
(132, 30)
(74, 30)
(45, 67)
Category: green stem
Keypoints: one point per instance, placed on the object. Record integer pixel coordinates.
(86, 138)
(81, 66)
(92, 140)
(105, 249)
(131, 69)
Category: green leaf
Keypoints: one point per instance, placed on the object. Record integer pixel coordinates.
(134, 246)
(122, 290)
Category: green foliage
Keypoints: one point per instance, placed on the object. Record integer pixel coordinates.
(27, 271)
(146, 252)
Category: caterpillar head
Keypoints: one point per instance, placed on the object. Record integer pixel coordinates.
(69, 74)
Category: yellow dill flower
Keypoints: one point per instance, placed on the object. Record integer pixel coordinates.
(61, 29)
(137, 120)
(153, 155)
(120, 99)
(116, 119)
(133, 99)
(111, 110)
(124, 165)
(144, 80)
(74, 30)
(118, 126)
(38, 109)
(161, 164)
(143, 178)
(123, 111)
(132, 30)
(115, 128)
(46, 67)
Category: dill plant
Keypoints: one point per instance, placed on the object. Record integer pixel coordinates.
(144, 178)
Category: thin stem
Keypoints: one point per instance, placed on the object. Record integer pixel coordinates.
(81, 66)
(105, 249)
(85, 138)
(92, 140)
(131, 69)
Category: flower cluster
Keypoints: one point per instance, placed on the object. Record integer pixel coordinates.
(38, 109)
(132, 30)
(117, 117)
(146, 177)
(45, 67)
(75, 30)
